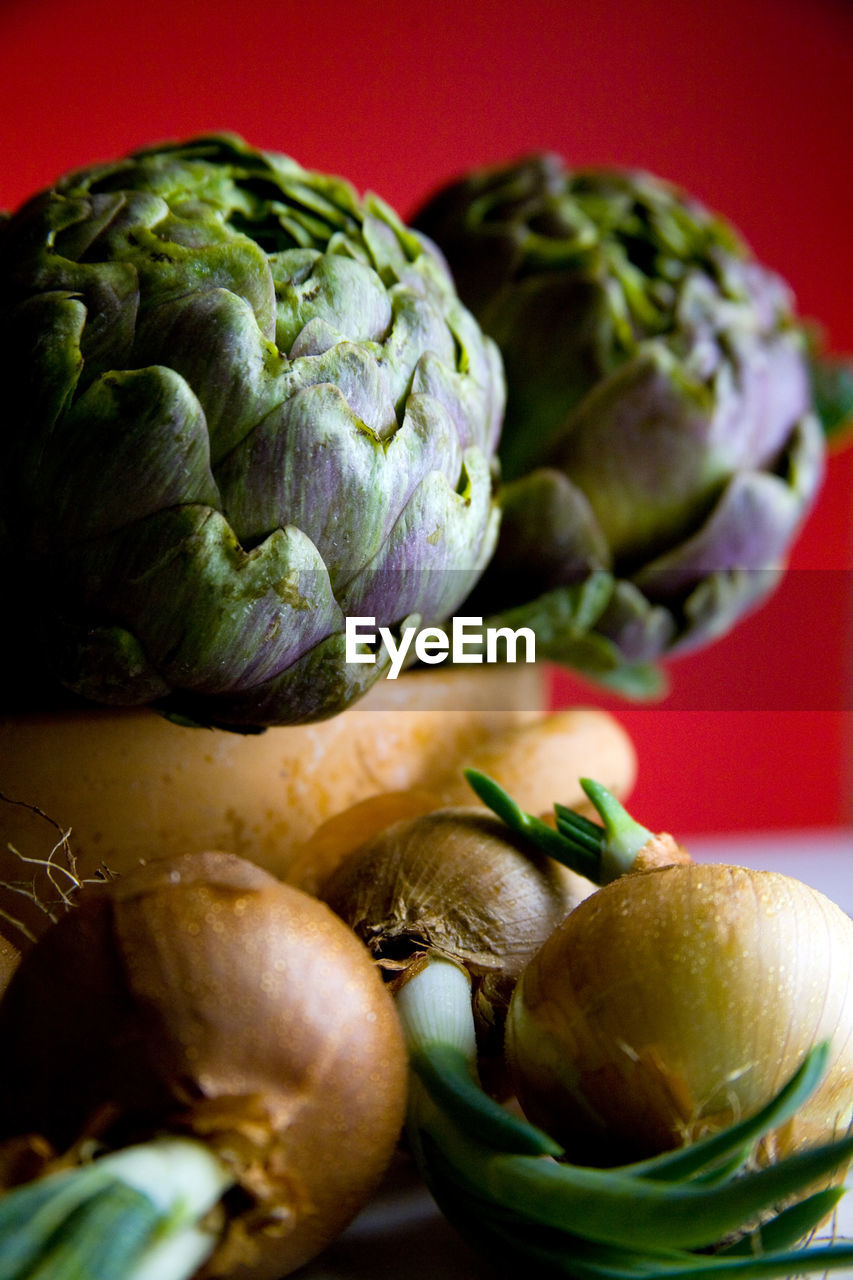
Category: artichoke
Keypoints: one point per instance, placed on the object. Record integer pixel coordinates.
(248, 404)
(660, 447)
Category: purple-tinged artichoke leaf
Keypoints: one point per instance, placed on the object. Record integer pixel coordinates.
(292, 468)
(429, 439)
(416, 326)
(144, 423)
(52, 324)
(210, 616)
(760, 393)
(566, 624)
(454, 392)
(435, 552)
(750, 527)
(310, 287)
(638, 446)
(320, 684)
(358, 372)
(211, 338)
(478, 368)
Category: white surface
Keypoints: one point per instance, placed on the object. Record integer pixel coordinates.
(402, 1233)
(823, 859)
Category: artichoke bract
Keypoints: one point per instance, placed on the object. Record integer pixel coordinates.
(250, 404)
(660, 447)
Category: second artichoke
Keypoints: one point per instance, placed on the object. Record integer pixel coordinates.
(660, 449)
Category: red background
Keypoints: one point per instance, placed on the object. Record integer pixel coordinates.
(744, 102)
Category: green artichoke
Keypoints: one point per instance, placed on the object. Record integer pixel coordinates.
(247, 404)
(660, 447)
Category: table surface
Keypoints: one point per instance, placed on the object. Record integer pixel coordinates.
(821, 858)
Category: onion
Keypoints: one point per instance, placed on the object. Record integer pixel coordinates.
(675, 1001)
(709, 1208)
(201, 998)
(342, 834)
(680, 998)
(9, 959)
(455, 882)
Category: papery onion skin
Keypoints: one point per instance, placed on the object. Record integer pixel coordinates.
(673, 1001)
(330, 844)
(201, 995)
(458, 882)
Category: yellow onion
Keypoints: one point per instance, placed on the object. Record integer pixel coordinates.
(457, 883)
(199, 996)
(707, 1208)
(675, 1001)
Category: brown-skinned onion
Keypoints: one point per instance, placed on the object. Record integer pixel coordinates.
(455, 882)
(9, 959)
(202, 996)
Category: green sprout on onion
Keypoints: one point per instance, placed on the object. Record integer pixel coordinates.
(502, 1183)
(136, 1214)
